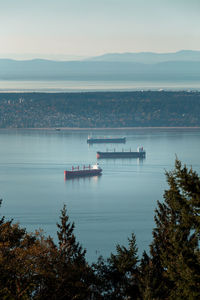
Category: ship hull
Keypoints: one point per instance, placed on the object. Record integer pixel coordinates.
(106, 140)
(121, 154)
(82, 173)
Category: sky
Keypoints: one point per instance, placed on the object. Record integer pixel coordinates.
(70, 29)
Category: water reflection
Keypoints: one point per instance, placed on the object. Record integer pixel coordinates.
(123, 161)
(93, 179)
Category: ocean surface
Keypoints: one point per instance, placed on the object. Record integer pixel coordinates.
(105, 209)
(94, 85)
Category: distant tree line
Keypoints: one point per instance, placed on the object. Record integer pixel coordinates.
(35, 267)
(100, 109)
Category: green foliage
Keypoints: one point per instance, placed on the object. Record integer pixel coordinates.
(17, 271)
(126, 259)
(117, 277)
(33, 267)
(68, 247)
(175, 246)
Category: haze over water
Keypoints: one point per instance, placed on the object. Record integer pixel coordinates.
(105, 209)
(94, 85)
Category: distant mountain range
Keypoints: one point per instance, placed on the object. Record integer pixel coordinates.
(149, 57)
(182, 65)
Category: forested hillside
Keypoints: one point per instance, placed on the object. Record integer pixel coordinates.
(100, 109)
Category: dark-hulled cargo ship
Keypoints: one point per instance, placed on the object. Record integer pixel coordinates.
(86, 171)
(140, 153)
(91, 140)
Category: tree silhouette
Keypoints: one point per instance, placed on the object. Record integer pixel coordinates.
(117, 277)
(174, 253)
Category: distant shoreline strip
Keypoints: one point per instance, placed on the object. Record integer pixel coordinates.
(100, 128)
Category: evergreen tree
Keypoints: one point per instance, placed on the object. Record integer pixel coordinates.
(17, 270)
(34, 267)
(175, 247)
(151, 282)
(117, 277)
(68, 246)
(67, 275)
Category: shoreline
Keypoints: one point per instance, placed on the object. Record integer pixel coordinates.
(100, 128)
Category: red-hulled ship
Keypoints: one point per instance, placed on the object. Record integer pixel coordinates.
(86, 171)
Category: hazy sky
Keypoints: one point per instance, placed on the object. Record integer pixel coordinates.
(56, 28)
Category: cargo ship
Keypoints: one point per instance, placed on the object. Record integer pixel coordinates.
(91, 140)
(140, 153)
(85, 171)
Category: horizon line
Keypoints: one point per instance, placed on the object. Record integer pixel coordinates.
(71, 57)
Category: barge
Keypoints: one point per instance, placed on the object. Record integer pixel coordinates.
(140, 153)
(91, 140)
(85, 171)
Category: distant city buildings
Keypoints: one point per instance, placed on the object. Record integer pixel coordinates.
(100, 109)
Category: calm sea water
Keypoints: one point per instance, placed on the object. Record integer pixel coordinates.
(106, 209)
(93, 85)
